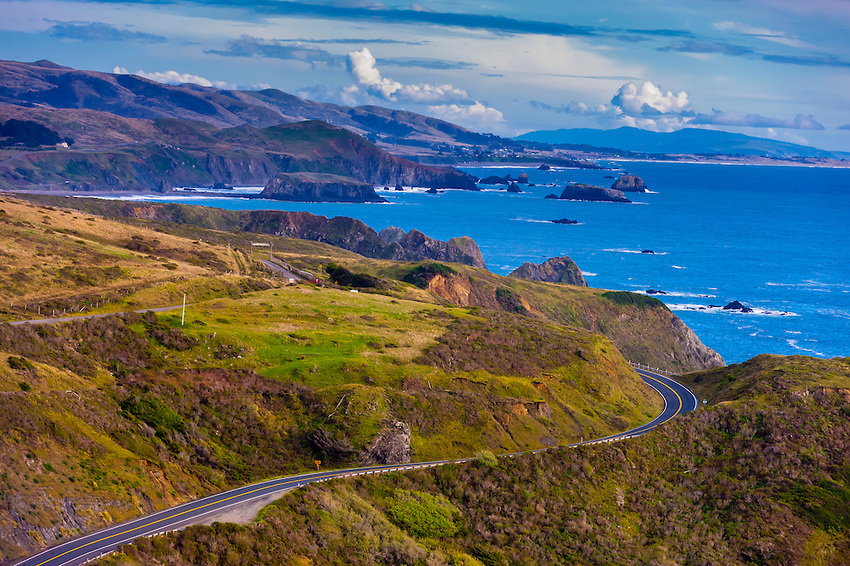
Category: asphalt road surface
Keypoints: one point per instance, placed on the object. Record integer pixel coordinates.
(87, 316)
(678, 399)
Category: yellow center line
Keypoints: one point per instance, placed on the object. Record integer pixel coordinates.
(325, 475)
(281, 484)
(681, 403)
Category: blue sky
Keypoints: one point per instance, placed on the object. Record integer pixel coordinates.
(770, 68)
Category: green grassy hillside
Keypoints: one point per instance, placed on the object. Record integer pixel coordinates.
(109, 418)
(732, 484)
(766, 379)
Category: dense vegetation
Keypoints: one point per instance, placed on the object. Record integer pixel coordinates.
(737, 483)
(109, 418)
(28, 134)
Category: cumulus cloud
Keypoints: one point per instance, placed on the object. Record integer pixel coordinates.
(471, 113)
(649, 99)
(362, 66)
(649, 107)
(174, 78)
(444, 101)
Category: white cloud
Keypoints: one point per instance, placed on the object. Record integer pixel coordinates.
(650, 100)
(362, 65)
(477, 114)
(762, 33)
(174, 78)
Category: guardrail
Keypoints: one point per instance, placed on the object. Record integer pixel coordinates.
(656, 370)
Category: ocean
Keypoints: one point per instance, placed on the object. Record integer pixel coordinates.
(773, 238)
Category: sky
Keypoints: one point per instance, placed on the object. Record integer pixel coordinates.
(778, 69)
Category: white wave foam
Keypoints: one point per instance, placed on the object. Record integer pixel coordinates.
(677, 294)
(678, 267)
(713, 309)
(589, 274)
(796, 345)
(628, 251)
(811, 285)
(536, 221)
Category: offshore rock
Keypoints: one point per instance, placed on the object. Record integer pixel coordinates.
(737, 306)
(514, 188)
(581, 191)
(554, 270)
(319, 187)
(391, 446)
(630, 184)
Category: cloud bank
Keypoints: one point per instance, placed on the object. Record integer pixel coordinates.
(96, 31)
(174, 78)
(649, 107)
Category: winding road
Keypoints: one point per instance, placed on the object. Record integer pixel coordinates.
(678, 399)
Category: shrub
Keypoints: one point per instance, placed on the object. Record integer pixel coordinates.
(20, 364)
(422, 274)
(344, 277)
(422, 514)
(633, 299)
(509, 301)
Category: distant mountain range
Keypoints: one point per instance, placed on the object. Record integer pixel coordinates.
(685, 141)
(130, 133)
(44, 84)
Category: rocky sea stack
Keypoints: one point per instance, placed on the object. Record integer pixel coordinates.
(580, 191)
(554, 270)
(630, 184)
(319, 187)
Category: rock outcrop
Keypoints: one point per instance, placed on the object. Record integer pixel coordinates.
(554, 270)
(514, 188)
(319, 187)
(630, 184)
(737, 306)
(468, 246)
(416, 245)
(581, 191)
(390, 446)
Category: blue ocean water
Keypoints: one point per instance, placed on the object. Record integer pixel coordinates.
(773, 238)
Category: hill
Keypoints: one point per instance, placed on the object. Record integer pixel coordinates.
(727, 485)
(180, 153)
(684, 141)
(113, 417)
(46, 85)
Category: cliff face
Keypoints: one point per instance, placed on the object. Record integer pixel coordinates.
(651, 335)
(319, 187)
(554, 270)
(185, 155)
(591, 193)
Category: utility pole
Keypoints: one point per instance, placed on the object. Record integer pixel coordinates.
(183, 317)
